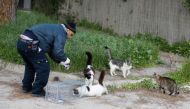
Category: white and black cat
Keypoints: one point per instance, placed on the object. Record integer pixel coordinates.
(88, 70)
(117, 64)
(93, 90)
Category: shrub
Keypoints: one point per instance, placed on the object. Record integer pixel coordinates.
(48, 7)
(182, 75)
(182, 48)
(158, 41)
(187, 3)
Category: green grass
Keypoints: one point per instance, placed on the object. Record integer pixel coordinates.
(10, 33)
(145, 84)
(186, 3)
(141, 52)
(182, 48)
(183, 75)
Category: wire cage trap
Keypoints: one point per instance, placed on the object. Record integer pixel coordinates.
(58, 92)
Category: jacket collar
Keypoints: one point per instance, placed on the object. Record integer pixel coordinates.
(64, 27)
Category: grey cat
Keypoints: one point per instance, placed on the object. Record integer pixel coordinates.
(166, 84)
(117, 64)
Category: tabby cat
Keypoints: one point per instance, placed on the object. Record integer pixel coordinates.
(166, 84)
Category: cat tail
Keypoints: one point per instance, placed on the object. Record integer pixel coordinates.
(101, 77)
(108, 52)
(89, 60)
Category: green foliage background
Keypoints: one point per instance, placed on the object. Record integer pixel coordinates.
(187, 3)
(141, 52)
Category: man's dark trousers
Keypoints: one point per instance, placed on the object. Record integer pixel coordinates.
(37, 68)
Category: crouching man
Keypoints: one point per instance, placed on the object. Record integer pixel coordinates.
(33, 44)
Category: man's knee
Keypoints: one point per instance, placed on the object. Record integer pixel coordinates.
(43, 67)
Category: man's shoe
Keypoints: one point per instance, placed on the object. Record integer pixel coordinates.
(41, 94)
(26, 90)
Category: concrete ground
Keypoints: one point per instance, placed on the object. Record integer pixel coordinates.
(11, 96)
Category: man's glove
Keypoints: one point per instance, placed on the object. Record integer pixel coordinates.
(66, 63)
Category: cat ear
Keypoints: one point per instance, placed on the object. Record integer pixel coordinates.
(128, 60)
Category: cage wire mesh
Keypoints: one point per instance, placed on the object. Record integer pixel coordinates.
(58, 92)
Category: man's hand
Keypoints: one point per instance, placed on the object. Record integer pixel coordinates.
(66, 63)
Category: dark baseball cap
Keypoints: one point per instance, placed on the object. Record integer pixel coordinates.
(71, 26)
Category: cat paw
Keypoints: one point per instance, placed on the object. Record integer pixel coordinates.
(98, 95)
(112, 74)
(124, 76)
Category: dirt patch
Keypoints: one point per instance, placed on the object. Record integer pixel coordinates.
(165, 97)
(17, 93)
